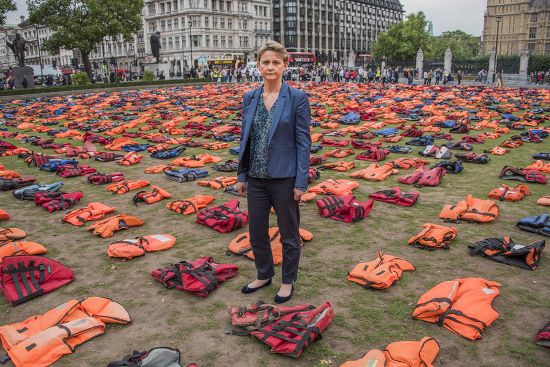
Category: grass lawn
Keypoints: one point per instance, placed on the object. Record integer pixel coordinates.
(364, 319)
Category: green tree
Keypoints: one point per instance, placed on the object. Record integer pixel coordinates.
(82, 24)
(402, 40)
(6, 6)
(463, 45)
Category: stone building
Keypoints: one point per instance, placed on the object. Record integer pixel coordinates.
(524, 24)
(207, 30)
(333, 27)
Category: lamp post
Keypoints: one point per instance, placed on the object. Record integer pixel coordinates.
(498, 19)
(39, 56)
(190, 24)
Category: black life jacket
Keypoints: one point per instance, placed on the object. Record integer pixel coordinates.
(505, 250)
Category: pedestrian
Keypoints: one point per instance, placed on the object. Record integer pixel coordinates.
(426, 78)
(273, 167)
(499, 83)
(459, 77)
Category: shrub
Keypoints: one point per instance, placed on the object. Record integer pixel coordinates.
(80, 79)
(148, 76)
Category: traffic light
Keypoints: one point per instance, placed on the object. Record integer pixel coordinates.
(96, 66)
(74, 63)
(112, 61)
(54, 64)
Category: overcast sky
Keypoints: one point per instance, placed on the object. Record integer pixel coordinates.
(446, 15)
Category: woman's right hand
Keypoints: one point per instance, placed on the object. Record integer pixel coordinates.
(241, 188)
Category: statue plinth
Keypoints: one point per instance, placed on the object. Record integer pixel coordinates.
(21, 73)
(159, 68)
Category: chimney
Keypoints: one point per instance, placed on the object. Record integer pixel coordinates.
(22, 18)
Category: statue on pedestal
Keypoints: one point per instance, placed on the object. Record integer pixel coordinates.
(18, 47)
(155, 45)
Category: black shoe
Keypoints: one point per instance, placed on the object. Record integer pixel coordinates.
(279, 299)
(247, 290)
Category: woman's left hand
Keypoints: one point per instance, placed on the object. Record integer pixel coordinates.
(298, 194)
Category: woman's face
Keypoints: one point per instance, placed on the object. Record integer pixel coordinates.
(271, 66)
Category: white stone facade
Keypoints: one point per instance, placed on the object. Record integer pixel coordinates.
(207, 29)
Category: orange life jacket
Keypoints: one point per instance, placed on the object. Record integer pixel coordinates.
(9, 174)
(130, 248)
(219, 182)
(108, 226)
(433, 236)
(130, 158)
(375, 172)
(539, 166)
(191, 205)
(196, 161)
(400, 354)
(16, 248)
(340, 166)
(507, 193)
(151, 197)
(10, 234)
(159, 169)
(127, 186)
(407, 163)
(4, 215)
(471, 209)
(499, 151)
(545, 200)
(41, 340)
(93, 211)
(339, 153)
(512, 144)
(381, 273)
(334, 187)
(240, 245)
(460, 305)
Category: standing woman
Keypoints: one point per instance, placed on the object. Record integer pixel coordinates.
(273, 167)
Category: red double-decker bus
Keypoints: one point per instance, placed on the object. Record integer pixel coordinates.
(301, 59)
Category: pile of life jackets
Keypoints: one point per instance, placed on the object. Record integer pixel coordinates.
(41, 340)
(287, 330)
(199, 277)
(26, 277)
(507, 193)
(93, 211)
(380, 273)
(505, 250)
(470, 210)
(400, 354)
(433, 236)
(156, 357)
(134, 247)
(108, 226)
(461, 305)
(396, 196)
(223, 218)
(241, 246)
(539, 224)
(344, 208)
(57, 201)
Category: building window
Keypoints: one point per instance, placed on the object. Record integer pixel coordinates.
(176, 23)
(151, 9)
(223, 41)
(215, 40)
(215, 22)
(230, 41)
(206, 22)
(534, 17)
(222, 23)
(177, 43)
(162, 8)
(229, 23)
(532, 32)
(162, 25)
(196, 41)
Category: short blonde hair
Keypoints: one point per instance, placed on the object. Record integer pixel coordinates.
(276, 47)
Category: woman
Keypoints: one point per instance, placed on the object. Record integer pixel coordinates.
(273, 167)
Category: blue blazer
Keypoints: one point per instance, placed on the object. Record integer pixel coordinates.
(289, 136)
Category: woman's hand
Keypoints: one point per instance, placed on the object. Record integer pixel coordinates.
(241, 188)
(298, 194)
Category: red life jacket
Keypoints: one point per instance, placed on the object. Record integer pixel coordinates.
(543, 336)
(292, 333)
(344, 208)
(373, 154)
(199, 277)
(101, 179)
(23, 278)
(224, 218)
(422, 177)
(395, 196)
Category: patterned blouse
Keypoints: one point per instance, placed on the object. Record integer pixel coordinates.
(259, 140)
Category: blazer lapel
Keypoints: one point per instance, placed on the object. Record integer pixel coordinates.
(283, 94)
(248, 120)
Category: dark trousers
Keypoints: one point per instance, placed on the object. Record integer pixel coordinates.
(262, 195)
